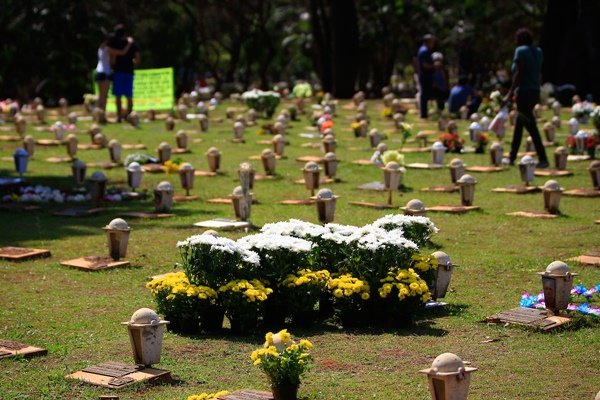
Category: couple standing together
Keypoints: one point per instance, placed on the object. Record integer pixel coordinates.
(118, 55)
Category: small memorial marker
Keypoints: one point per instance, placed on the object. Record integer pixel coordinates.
(163, 197)
(213, 156)
(268, 161)
(114, 151)
(21, 253)
(223, 224)
(531, 317)
(181, 139)
(325, 201)
(94, 263)
(164, 152)
(146, 331)
(415, 207)
(78, 170)
(9, 348)
(552, 194)
(594, 170)
(98, 187)
(591, 258)
(448, 378)
(186, 177)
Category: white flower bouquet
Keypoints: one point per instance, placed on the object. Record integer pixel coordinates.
(214, 261)
(261, 101)
(415, 228)
(280, 255)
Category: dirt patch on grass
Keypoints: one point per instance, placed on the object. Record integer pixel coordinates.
(334, 366)
(403, 355)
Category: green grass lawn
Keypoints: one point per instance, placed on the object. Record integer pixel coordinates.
(76, 315)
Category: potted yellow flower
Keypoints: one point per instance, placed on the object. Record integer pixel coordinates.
(189, 307)
(243, 302)
(284, 361)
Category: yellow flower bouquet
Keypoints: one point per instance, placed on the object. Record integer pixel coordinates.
(208, 396)
(243, 302)
(301, 293)
(402, 293)
(187, 306)
(350, 299)
(284, 361)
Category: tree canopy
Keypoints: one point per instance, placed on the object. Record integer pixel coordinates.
(50, 46)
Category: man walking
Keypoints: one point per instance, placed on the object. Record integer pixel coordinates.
(123, 66)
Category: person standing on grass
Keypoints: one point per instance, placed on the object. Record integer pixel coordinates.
(103, 70)
(526, 70)
(425, 69)
(123, 66)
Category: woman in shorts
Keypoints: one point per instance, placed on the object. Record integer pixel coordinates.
(103, 70)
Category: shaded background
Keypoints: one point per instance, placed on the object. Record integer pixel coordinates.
(49, 47)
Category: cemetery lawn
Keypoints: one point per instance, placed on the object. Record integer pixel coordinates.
(76, 315)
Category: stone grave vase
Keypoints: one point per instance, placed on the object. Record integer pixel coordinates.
(117, 234)
(557, 282)
(146, 331)
(466, 184)
(448, 378)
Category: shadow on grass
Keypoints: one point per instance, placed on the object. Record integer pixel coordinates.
(42, 225)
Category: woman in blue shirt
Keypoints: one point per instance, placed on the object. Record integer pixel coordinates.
(526, 69)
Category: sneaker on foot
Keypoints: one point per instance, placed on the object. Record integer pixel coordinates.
(507, 161)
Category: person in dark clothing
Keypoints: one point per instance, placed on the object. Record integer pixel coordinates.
(526, 68)
(425, 69)
(123, 66)
(462, 94)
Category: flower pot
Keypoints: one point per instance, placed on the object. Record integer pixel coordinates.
(286, 391)
(187, 325)
(275, 311)
(211, 320)
(325, 306)
(304, 318)
(242, 324)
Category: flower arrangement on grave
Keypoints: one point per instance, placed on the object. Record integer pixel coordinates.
(327, 124)
(301, 292)
(350, 299)
(284, 360)
(42, 194)
(279, 256)
(405, 132)
(265, 102)
(452, 142)
(187, 306)
(415, 228)
(139, 158)
(387, 112)
(582, 111)
(243, 301)
(582, 300)
(496, 99)
(393, 155)
(172, 166)
(375, 251)
(595, 116)
(401, 292)
(482, 140)
(589, 145)
(214, 261)
(208, 396)
(356, 127)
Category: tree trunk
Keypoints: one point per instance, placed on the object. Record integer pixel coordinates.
(345, 48)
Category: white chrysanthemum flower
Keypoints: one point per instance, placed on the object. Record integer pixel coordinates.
(399, 221)
(294, 227)
(220, 244)
(266, 241)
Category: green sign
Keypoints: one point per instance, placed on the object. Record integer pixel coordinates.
(153, 89)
